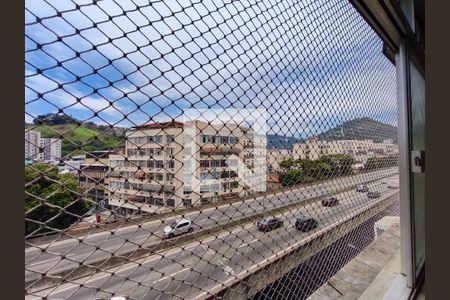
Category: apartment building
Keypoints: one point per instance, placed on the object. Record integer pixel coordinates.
(32, 144)
(275, 157)
(360, 149)
(312, 149)
(94, 172)
(51, 147)
(172, 165)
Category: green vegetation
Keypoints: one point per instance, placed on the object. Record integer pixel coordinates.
(51, 198)
(77, 139)
(308, 171)
(381, 162)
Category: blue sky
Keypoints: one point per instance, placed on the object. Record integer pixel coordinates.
(311, 65)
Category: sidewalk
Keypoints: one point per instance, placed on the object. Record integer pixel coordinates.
(369, 275)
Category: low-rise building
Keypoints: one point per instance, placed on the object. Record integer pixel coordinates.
(94, 172)
(71, 165)
(360, 150)
(275, 157)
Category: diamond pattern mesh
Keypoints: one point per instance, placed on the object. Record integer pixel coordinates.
(203, 149)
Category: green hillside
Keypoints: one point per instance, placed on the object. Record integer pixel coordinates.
(361, 129)
(77, 139)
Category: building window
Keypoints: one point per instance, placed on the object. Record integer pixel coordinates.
(171, 164)
(170, 139)
(170, 202)
(205, 200)
(205, 188)
(159, 164)
(159, 139)
(234, 185)
(187, 139)
(187, 202)
(170, 176)
(150, 151)
(187, 151)
(170, 151)
(225, 186)
(187, 190)
(159, 176)
(158, 201)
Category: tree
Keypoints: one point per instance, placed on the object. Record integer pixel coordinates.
(291, 177)
(54, 119)
(341, 164)
(50, 195)
(381, 162)
(287, 164)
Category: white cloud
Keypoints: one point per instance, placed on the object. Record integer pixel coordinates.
(304, 61)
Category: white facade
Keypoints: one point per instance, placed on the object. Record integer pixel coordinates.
(275, 157)
(174, 165)
(72, 165)
(51, 147)
(32, 144)
(313, 149)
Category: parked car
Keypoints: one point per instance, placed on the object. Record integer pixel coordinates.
(306, 223)
(374, 194)
(178, 227)
(268, 224)
(330, 201)
(362, 188)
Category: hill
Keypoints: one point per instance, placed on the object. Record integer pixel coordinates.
(280, 141)
(77, 139)
(361, 129)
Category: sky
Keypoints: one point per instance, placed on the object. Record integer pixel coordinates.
(310, 64)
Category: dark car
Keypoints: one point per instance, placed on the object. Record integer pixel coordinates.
(362, 188)
(330, 201)
(305, 223)
(374, 194)
(269, 224)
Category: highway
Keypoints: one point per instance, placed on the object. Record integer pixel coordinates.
(47, 259)
(199, 266)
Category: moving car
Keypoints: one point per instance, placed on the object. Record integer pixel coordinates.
(330, 201)
(305, 223)
(178, 227)
(374, 194)
(268, 224)
(362, 188)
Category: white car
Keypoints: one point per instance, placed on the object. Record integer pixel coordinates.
(178, 227)
(393, 184)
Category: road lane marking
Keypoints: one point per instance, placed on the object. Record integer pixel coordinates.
(254, 241)
(171, 275)
(44, 261)
(243, 245)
